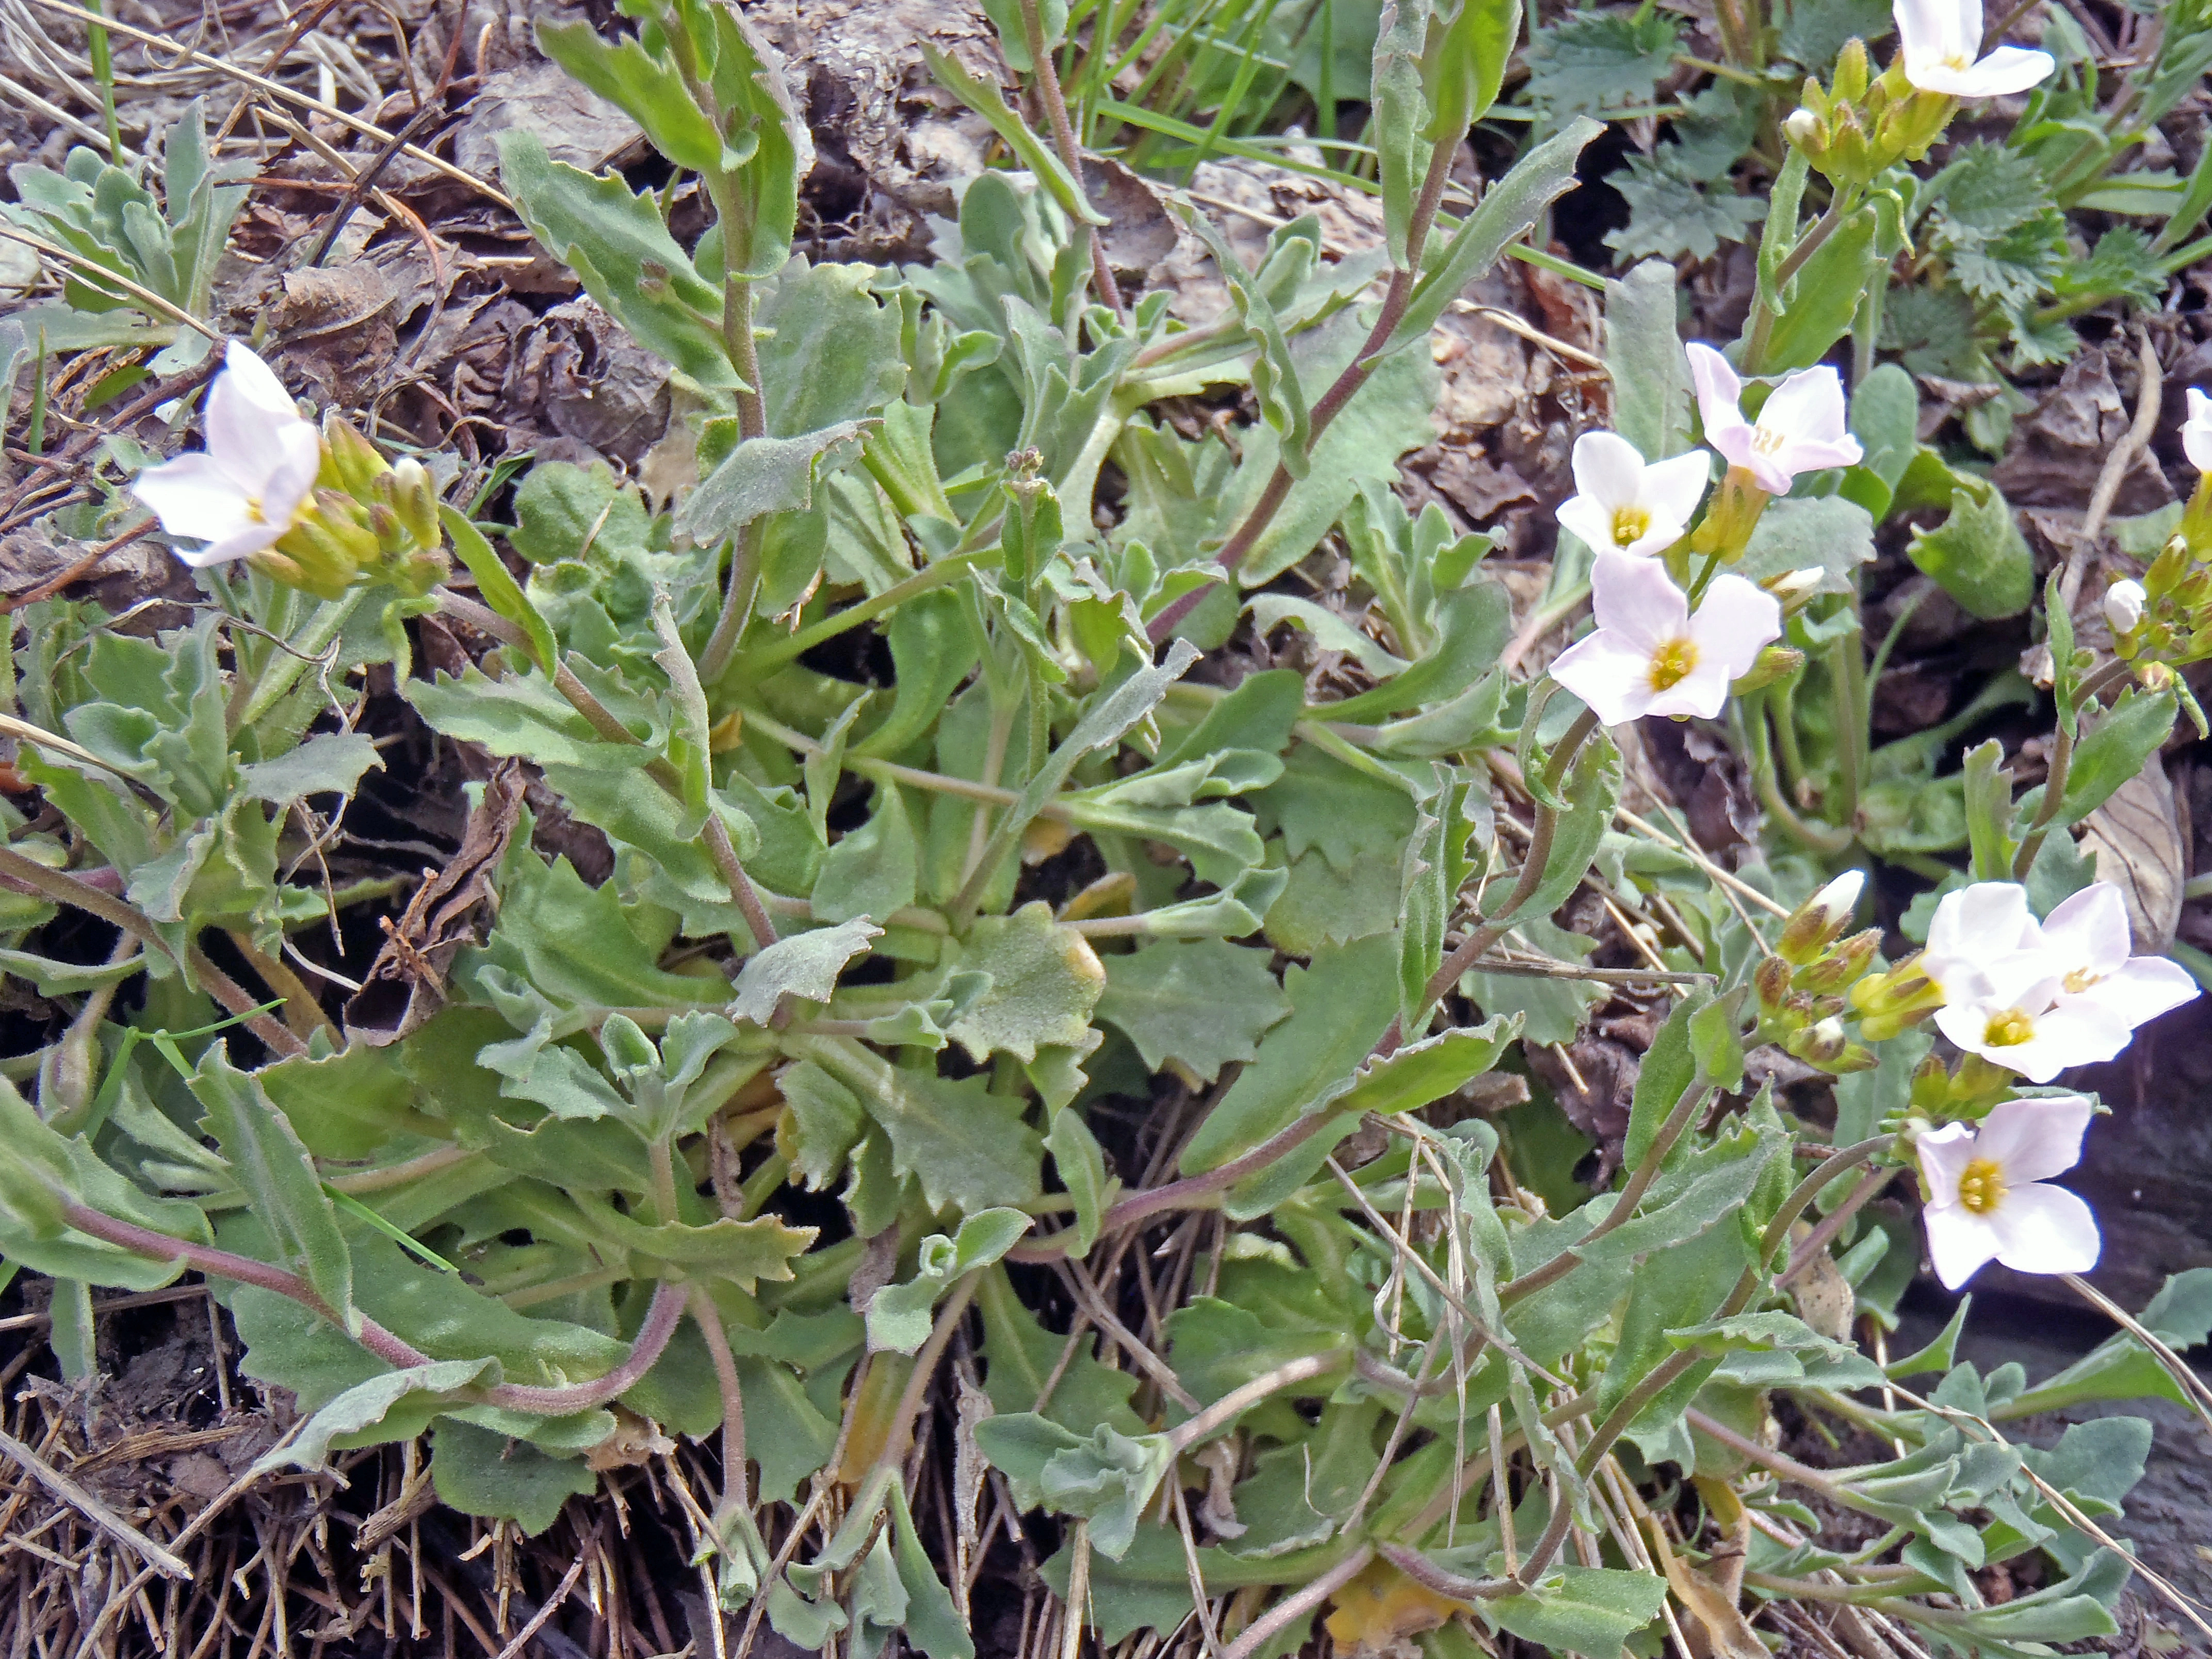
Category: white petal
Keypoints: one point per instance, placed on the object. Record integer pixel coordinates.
(2139, 991)
(2075, 1034)
(1924, 27)
(1960, 1243)
(1702, 693)
(1736, 621)
(2035, 1139)
(1612, 676)
(1720, 394)
(1673, 488)
(1636, 601)
(2090, 929)
(2045, 1230)
(1841, 896)
(1985, 919)
(1809, 406)
(2197, 431)
(1944, 1154)
(243, 432)
(193, 497)
(1818, 454)
(255, 381)
(1585, 517)
(299, 458)
(1609, 470)
(2010, 69)
(250, 539)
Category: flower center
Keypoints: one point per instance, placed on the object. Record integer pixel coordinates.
(2009, 1029)
(1671, 664)
(1981, 1185)
(1629, 525)
(253, 509)
(1765, 440)
(2080, 980)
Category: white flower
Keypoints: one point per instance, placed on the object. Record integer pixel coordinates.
(245, 490)
(1800, 428)
(2037, 1000)
(1939, 40)
(1650, 655)
(2123, 605)
(1987, 1197)
(1622, 503)
(2197, 431)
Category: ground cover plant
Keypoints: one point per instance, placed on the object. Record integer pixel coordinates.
(996, 1036)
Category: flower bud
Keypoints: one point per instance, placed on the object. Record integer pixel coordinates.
(414, 498)
(350, 463)
(1853, 72)
(2123, 606)
(1816, 924)
(1818, 1044)
(1771, 980)
(1844, 965)
(1796, 588)
(1774, 662)
(1803, 127)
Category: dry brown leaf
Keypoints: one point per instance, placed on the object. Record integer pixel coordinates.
(2135, 839)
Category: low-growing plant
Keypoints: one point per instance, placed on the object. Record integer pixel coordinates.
(801, 1109)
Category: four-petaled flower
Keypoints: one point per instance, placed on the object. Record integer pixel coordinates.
(2197, 431)
(1988, 1197)
(2038, 999)
(1650, 655)
(1940, 41)
(1623, 502)
(241, 493)
(1800, 428)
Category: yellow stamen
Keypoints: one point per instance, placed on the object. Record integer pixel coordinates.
(2009, 1029)
(1981, 1185)
(1672, 663)
(2080, 980)
(1629, 525)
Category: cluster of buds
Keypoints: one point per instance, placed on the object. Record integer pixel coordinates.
(1862, 124)
(2165, 620)
(318, 511)
(1802, 986)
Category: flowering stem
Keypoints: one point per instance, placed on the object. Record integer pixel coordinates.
(293, 655)
(2062, 760)
(1847, 671)
(1046, 84)
(1751, 733)
(1761, 333)
(1396, 298)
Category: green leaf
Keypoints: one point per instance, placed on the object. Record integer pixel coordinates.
(1795, 532)
(1340, 1007)
(1823, 296)
(366, 1404)
(805, 965)
(2115, 751)
(1423, 1072)
(1401, 116)
(329, 762)
(621, 253)
(987, 101)
(1108, 1478)
(563, 512)
(1203, 1003)
(829, 350)
(1475, 623)
(1274, 372)
(966, 1146)
(873, 870)
(1465, 64)
(497, 585)
(1432, 871)
(763, 123)
(1670, 215)
(1581, 1610)
(1644, 358)
(932, 1622)
(480, 1472)
(1005, 16)
(1045, 980)
(1021, 1356)
(1591, 61)
(1978, 555)
(1507, 208)
(1885, 418)
(762, 476)
(643, 86)
(1669, 1067)
(279, 1178)
(898, 1316)
(1082, 1165)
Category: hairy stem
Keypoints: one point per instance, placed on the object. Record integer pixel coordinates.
(1047, 82)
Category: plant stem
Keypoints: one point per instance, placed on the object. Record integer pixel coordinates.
(293, 656)
(1226, 1410)
(776, 653)
(1752, 732)
(103, 71)
(1847, 666)
(1047, 84)
(736, 1497)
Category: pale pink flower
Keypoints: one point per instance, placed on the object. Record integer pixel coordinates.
(1623, 502)
(240, 493)
(1650, 656)
(1988, 1197)
(2197, 431)
(1940, 42)
(1800, 428)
